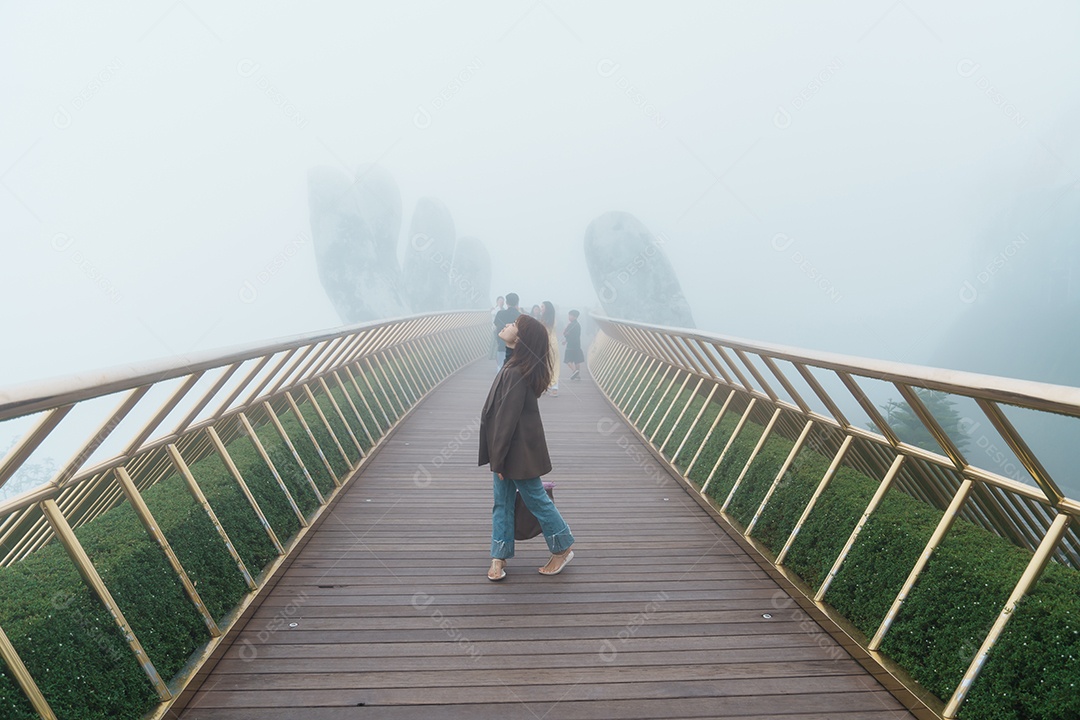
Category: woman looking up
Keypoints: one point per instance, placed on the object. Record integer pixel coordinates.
(512, 442)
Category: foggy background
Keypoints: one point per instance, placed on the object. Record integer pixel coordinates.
(851, 176)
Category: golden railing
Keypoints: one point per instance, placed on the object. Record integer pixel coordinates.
(784, 389)
(204, 403)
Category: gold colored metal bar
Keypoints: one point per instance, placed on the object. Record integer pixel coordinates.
(939, 534)
(100, 435)
(306, 369)
(627, 387)
(622, 387)
(788, 387)
(397, 376)
(418, 361)
(163, 412)
(363, 399)
(731, 365)
(671, 406)
(707, 367)
(869, 408)
(209, 395)
(326, 357)
(682, 413)
(90, 576)
(932, 425)
(373, 373)
(22, 676)
(757, 375)
(154, 530)
(311, 436)
(273, 469)
(340, 349)
(375, 396)
(727, 446)
(780, 475)
(341, 416)
(716, 421)
(227, 459)
(30, 442)
(646, 392)
(640, 374)
(291, 371)
(825, 480)
(823, 396)
(421, 359)
(318, 411)
(607, 356)
(750, 460)
(356, 411)
(874, 502)
(388, 367)
(408, 381)
(695, 421)
(276, 422)
(268, 378)
(716, 364)
(1031, 575)
(1023, 453)
(660, 400)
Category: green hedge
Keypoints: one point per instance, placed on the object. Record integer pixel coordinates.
(790, 499)
(1032, 671)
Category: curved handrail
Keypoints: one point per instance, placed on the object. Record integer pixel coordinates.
(338, 393)
(639, 366)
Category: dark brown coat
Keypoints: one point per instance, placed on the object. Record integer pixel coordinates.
(511, 432)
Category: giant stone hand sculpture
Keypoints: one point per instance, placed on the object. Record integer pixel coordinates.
(355, 224)
(631, 274)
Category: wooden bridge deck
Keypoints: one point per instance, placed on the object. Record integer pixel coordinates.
(386, 611)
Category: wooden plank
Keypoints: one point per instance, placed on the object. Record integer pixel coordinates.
(660, 615)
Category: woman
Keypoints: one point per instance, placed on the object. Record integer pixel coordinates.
(547, 315)
(512, 442)
(574, 356)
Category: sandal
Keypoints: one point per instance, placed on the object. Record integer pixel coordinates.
(497, 571)
(561, 560)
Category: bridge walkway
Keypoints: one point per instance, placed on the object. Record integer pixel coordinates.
(386, 612)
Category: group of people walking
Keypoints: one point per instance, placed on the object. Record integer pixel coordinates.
(507, 311)
(512, 440)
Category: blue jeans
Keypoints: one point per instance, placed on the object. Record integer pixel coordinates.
(556, 531)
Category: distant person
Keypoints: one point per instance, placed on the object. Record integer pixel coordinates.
(512, 442)
(572, 339)
(503, 318)
(537, 313)
(547, 316)
(500, 304)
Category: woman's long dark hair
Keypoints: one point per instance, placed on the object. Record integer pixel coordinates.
(547, 314)
(532, 354)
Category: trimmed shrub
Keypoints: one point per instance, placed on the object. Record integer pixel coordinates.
(145, 588)
(759, 478)
(881, 559)
(829, 525)
(790, 499)
(197, 545)
(953, 605)
(735, 460)
(68, 642)
(712, 449)
(1032, 670)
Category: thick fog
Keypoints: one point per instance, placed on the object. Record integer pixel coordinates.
(889, 179)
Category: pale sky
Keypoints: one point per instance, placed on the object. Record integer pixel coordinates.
(821, 173)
